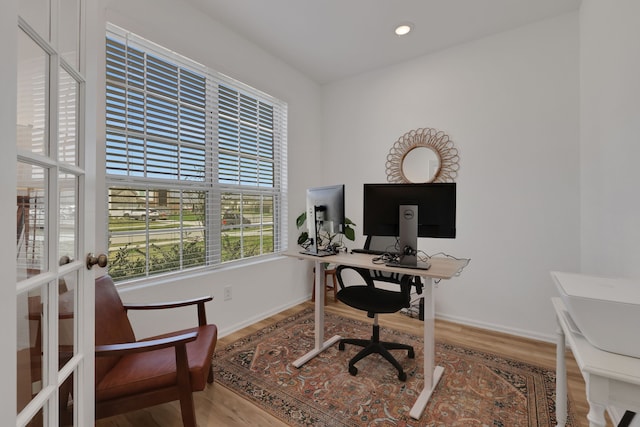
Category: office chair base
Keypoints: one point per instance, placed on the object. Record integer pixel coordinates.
(374, 345)
(402, 376)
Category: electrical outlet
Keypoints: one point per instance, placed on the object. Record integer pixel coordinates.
(227, 293)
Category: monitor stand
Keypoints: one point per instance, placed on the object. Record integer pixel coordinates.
(408, 239)
(408, 263)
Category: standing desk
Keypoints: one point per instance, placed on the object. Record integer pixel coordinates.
(610, 379)
(441, 268)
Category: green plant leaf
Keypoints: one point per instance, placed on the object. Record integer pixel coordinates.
(303, 237)
(301, 219)
(350, 233)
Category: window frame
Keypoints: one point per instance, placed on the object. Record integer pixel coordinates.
(270, 235)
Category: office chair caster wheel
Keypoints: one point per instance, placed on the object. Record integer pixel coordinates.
(402, 376)
(353, 370)
(341, 346)
(412, 354)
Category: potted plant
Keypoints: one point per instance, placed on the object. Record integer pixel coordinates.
(326, 240)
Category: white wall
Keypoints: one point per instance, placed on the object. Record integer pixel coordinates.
(609, 137)
(262, 288)
(510, 104)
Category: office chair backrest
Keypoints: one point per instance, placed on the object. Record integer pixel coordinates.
(388, 244)
(385, 244)
(381, 243)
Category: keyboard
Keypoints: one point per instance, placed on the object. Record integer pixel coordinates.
(369, 251)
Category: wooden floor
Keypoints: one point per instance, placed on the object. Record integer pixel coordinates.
(219, 407)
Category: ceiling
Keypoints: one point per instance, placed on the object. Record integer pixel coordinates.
(329, 40)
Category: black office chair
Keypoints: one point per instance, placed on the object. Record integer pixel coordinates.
(374, 300)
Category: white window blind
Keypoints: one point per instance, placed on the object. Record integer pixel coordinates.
(195, 163)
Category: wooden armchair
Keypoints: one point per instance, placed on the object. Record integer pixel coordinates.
(132, 374)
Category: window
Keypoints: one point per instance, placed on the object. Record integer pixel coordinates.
(195, 163)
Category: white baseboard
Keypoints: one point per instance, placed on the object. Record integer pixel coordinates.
(497, 328)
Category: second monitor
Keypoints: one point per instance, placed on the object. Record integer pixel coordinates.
(409, 211)
(325, 213)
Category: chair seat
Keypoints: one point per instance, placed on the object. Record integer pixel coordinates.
(140, 372)
(373, 300)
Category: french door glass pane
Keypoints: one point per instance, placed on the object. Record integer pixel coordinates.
(32, 327)
(32, 220)
(69, 31)
(68, 185)
(32, 109)
(67, 118)
(67, 408)
(37, 420)
(67, 319)
(37, 14)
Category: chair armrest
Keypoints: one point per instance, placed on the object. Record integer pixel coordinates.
(163, 305)
(142, 346)
(202, 316)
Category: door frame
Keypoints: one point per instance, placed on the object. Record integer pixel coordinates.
(8, 89)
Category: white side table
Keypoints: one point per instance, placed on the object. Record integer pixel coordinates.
(611, 379)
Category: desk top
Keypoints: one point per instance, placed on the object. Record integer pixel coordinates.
(593, 360)
(441, 268)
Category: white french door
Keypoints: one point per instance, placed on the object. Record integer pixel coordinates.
(54, 288)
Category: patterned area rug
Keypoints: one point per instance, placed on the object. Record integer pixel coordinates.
(477, 388)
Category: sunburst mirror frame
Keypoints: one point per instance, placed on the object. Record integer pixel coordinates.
(430, 138)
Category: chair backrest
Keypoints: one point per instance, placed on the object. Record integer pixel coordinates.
(381, 243)
(112, 322)
(388, 244)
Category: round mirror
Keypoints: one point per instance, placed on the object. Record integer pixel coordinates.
(420, 164)
(422, 155)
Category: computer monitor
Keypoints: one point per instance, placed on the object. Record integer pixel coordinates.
(409, 211)
(325, 213)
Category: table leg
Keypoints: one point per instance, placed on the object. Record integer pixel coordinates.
(596, 415)
(561, 378)
(320, 344)
(432, 373)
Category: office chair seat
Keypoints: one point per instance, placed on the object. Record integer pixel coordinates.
(372, 300)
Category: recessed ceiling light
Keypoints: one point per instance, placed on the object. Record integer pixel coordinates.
(403, 29)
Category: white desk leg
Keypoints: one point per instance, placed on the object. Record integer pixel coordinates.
(432, 373)
(596, 415)
(320, 344)
(561, 378)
